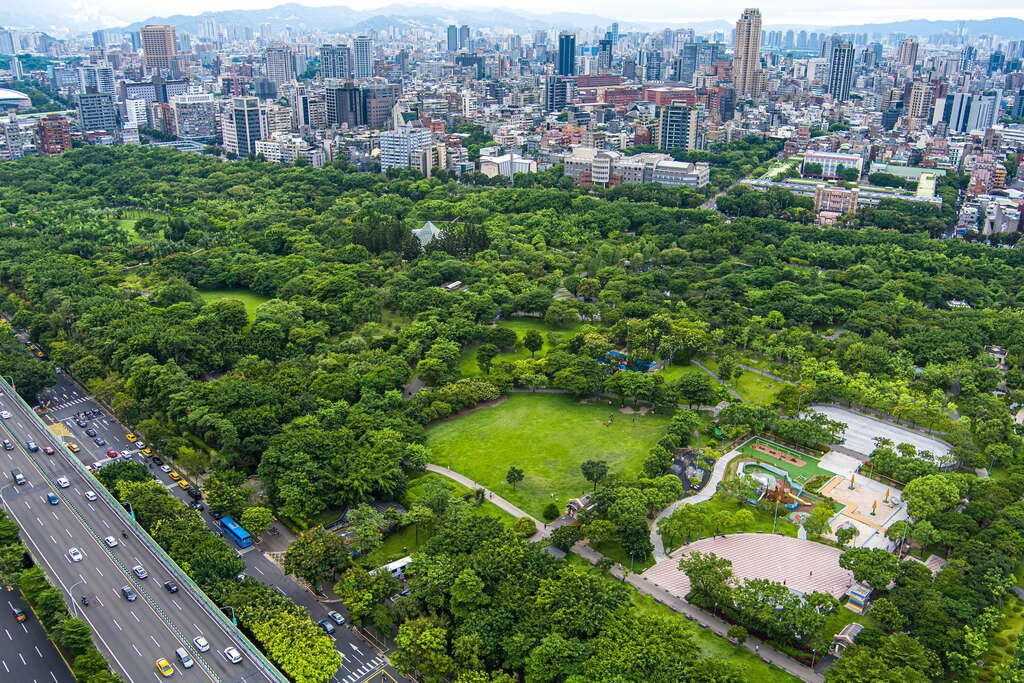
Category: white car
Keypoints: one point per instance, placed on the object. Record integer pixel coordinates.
(140, 571)
(89, 495)
(140, 445)
(126, 454)
(165, 468)
(232, 655)
(110, 541)
(63, 482)
(5, 415)
(75, 554)
(201, 644)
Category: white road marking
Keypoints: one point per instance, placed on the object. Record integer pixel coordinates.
(98, 571)
(22, 658)
(38, 651)
(254, 568)
(154, 641)
(136, 650)
(53, 539)
(132, 612)
(117, 625)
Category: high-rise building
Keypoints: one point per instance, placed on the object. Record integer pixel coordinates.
(137, 111)
(241, 127)
(464, 37)
(53, 135)
(12, 139)
(1017, 110)
(97, 77)
(453, 38)
(921, 100)
(566, 54)
(158, 45)
(397, 146)
(967, 57)
(677, 127)
(335, 61)
(692, 57)
(17, 68)
(604, 55)
(558, 91)
(195, 116)
(907, 54)
(97, 111)
(344, 103)
(7, 43)
(746, 59)
(840, 70)
(972, 112)
(363, 49)
(280, 67)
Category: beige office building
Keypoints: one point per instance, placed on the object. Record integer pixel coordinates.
(746, 60)
(158, 46)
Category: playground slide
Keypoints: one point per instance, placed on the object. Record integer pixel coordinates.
(799, 500)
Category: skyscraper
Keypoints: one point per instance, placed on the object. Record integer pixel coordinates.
(363, 49)
(746, 59)
(840, 70)
(158, 46)
(907, 54)
(566, 54)
(453, 38)
(335, 61)
(677, 127)
(604, 55)
(241, 128)
(279, 65)
(464, 37)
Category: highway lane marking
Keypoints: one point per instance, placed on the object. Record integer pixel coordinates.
(154, 641)
(105, 523)
(98, 571)
(53, 539)
(132, 612)
(6, 668)
(38, 651)
(68, 533)
(136, 650)
(22, 658)
(254, 568)
(40, 521)
(9, 636)
(53, 677)
(176, 604)
(52, 513)
(119, 625)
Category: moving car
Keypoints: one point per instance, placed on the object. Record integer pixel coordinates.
(184, 657)
(336, 617)
(19, 614)
(63, 482)
(89, 495)
(73, 447)
(80, 422)
(327, 626)
(8, 446)
(164, 667)
(18, 477)
(111, 453)
(90, 432)
(100, 441)
(31, 445)
(129, 437)
(171, 586)
(140, 445)
(165, 469)
(110, 541)
(128, 593)
(182, 484)
(231, 654)
(201, 644)
(75, 554)
(5, 415)
(52, 498)
(140, 571)
(48, 450)
(174, 475)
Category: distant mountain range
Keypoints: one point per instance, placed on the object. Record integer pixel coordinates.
(55, 17)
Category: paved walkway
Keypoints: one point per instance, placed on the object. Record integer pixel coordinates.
(727, 387)
(706, 620)
(717, 474)
(543, 530)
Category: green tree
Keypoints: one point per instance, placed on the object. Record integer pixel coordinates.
(422, 648)
(485, 355)
(298, 646)
(930, 494)
(818, 523)
(533, 341)
(514, 475)
(257, 520)
(594, 471)
(367, 526)
(224, 495)
(74, 635)
(709, 575)
(316, 557)
(846, 534)
(738, 634)
(873, 566)
(886, 613)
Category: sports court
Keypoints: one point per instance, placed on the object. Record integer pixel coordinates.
(861, 431)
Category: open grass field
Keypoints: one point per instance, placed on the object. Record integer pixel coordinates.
(751, 386)
(711, 645)
(467, 361)
(1004, 640)
(671, 373)
(250, 299)
(548, 436)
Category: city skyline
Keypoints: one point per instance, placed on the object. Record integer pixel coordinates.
(79, 16)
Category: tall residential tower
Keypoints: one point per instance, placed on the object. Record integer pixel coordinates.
(746, 60)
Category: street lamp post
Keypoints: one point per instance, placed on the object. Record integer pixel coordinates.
(71, 594)
(131, 510)
(233, 619)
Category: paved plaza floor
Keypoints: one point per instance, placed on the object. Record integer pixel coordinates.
(800, 564)
(861, 431)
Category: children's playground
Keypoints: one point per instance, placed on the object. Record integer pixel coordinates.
(617, 360)
(863, 503)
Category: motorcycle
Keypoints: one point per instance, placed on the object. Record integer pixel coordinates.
(124, 534)
(85, 601)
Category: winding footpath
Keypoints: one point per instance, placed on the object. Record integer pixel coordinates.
(543, 530)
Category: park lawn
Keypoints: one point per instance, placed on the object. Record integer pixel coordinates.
(751, 386)
(840, 619)
(458, 490)
(762, 521)
(613, 550)
(394, 547)
(1002, 643)
(250, 299)
(467, 360)
(548, 437)
(673, 372)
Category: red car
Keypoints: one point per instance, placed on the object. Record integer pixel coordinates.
(48, 450)
(111, 454)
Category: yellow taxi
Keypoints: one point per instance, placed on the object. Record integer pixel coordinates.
(146, 451)
(164, 667)
(184, 485)
(130, 437)
(174, 475)
(73, 447)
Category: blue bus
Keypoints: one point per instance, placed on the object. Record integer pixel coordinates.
(235, 532)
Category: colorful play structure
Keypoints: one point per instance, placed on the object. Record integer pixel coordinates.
(776, 485)
(620, 361)
(858, 602)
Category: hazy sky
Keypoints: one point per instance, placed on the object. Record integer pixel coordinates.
(809, 12)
